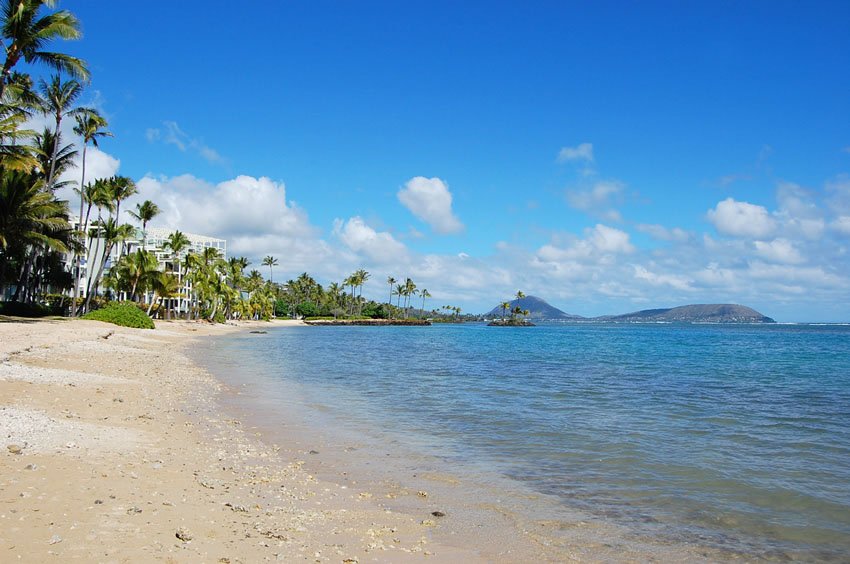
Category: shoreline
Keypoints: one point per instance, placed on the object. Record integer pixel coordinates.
(131, 450)
(120, 451)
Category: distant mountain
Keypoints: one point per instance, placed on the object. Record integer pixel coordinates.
(538, 310)
(700, 313)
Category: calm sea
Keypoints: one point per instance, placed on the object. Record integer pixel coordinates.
(731, 437)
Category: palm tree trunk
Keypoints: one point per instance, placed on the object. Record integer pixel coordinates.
(153, 301)
(82, 226)
(96, 280)
(55, 152)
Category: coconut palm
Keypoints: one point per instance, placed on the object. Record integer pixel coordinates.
(112, 233)
(136, 270)
(50, 154)
(409, 291)
(271, 262)
(361, 276)
(505, 306)
(145, 212)
(25, 34)
(390, 281)
(424, 294)
(165, 286)
(120, 188)
(57, 100)
(30, 218)
(15, 154)
(91, 127)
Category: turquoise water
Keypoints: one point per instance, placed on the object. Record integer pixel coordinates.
(732, 437)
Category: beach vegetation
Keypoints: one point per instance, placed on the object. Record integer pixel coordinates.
(125, 314)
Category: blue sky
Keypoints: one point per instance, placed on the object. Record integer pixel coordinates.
(606, 156)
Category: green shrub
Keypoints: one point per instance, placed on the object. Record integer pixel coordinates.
(125, 314)
(20, 309)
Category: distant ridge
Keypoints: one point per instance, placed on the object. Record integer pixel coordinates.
(538, 309)
(698, 313)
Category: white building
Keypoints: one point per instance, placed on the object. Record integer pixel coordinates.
(155, 242)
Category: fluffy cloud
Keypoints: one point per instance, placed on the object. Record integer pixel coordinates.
(171, 134)
(379, 247)
(599, 242)
(582, 152)
(430, 200)
(741, 219)
(251, 213)
(779, 250)
(674, 281)
(798, 213)
(598, 199)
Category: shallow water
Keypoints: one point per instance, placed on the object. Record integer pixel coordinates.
(735, 438)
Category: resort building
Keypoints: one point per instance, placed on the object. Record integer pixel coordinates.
(154, 242)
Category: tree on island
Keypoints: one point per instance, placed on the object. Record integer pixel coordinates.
(424, 294)
(505, 306)
(391, 282)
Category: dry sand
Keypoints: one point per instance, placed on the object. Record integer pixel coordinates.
(114, 450)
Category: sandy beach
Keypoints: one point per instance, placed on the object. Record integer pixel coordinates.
(114, 450)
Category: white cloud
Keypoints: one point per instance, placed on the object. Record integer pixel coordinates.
(599, 243)
(798, 213)
(251, 213)
(430, 200)
(675, 281)
(598, 199)
(610, 240)
(171, 134)
(741, 219)
(779, 250)
(661, 233)
(380, 247)
(582, 152)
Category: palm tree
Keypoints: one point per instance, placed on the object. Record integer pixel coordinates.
(120, 188)
(112, 233)
(57, 100)
(31, 218)
(361, 277)
(177, 242)
(136, 271)
(409, 290)
(50, 154)
(24, 35)
(391, 281)
(90, 126)
(505, 306)
(424, 294)
(271, 262)
(165, 286)
(145, 212)
(399, 290)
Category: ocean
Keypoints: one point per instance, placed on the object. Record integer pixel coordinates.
(735, 438)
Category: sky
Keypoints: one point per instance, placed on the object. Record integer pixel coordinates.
(605, 156)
